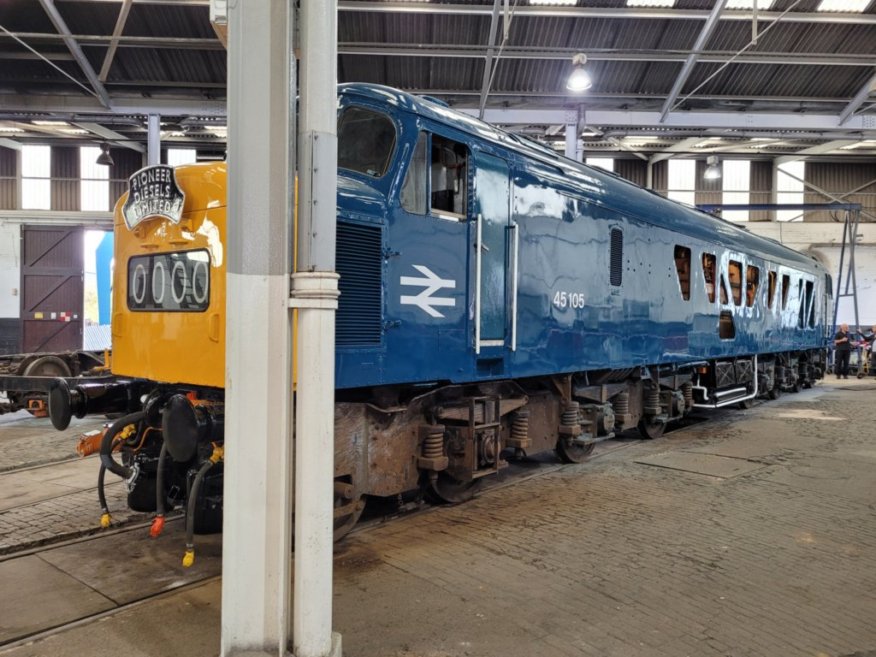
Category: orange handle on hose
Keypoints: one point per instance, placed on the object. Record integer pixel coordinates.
(157, 527)
(89, 443)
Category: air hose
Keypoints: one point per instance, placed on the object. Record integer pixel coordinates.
(105, 516)
(158, 523)
(215, 457)
(106, 445)
(101, 496)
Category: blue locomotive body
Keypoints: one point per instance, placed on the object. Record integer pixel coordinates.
(531, 264)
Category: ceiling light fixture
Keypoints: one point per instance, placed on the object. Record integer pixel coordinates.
(105, 158)
(713, 168)
(579, 80)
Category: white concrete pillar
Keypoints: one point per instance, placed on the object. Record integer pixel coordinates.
(315, 294)
(153, 139)
(774, 189)
(257, 532)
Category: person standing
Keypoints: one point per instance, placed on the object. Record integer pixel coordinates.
(843, 345)
(870, 339)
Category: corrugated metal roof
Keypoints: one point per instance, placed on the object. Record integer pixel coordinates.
(532, 69)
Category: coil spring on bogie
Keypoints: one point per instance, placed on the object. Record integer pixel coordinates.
(433, 446)
(570, 414)
(652, 401)
(687, 391)
(621, 403)
(520, 426)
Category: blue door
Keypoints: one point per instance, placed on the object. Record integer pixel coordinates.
(492, 216)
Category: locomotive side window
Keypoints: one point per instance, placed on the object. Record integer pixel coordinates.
(366, 140)
(772, 279)
(709, 275)
(734, 273)
(723, 292)
(170, 281)
(449, 176)
(682, 267)
(801, 313)
(786, 286)
(752, 281)
(413, 192)
(616, 264)
(810, 287)
(726, 327)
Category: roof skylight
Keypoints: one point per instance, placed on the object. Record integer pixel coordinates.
(650, 3)
(866, 143)
(762, 5)
(845, 6)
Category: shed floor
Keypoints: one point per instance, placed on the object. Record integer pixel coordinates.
(751, 535)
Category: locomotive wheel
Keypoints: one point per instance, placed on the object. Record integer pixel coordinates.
(774, 393)
(47, 366)
(746, 404)
(347, 514)
(449, 490)
(574, 452)
(651, 430)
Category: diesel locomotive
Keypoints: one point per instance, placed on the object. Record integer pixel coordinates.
(497, 300)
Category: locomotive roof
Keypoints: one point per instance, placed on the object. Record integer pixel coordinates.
(626, 196)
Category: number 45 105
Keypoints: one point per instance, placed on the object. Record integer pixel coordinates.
(564, 299)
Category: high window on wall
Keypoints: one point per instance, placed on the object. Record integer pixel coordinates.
(790, 190)
(36, 190)
(180, 156)
(682, 181)
(94, 181)
(606, 163)
(735, 186)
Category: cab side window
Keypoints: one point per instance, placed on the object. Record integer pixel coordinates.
(436, 181)
(413, 192)
(449, 176)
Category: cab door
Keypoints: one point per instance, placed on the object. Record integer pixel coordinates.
(493, 255)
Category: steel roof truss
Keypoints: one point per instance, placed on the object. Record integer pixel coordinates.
(114, 44)
(76, 51)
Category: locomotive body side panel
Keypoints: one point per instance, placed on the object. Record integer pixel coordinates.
(463, 303)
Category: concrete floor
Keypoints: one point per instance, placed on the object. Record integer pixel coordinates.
(751, 535)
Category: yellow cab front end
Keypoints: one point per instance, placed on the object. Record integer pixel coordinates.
(168, 322)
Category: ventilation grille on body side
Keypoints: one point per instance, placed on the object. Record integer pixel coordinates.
(360, 264)
(617, 257)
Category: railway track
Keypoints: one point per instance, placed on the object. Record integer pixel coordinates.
(87, 565)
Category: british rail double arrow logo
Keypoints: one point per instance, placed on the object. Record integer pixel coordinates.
(431, 283)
